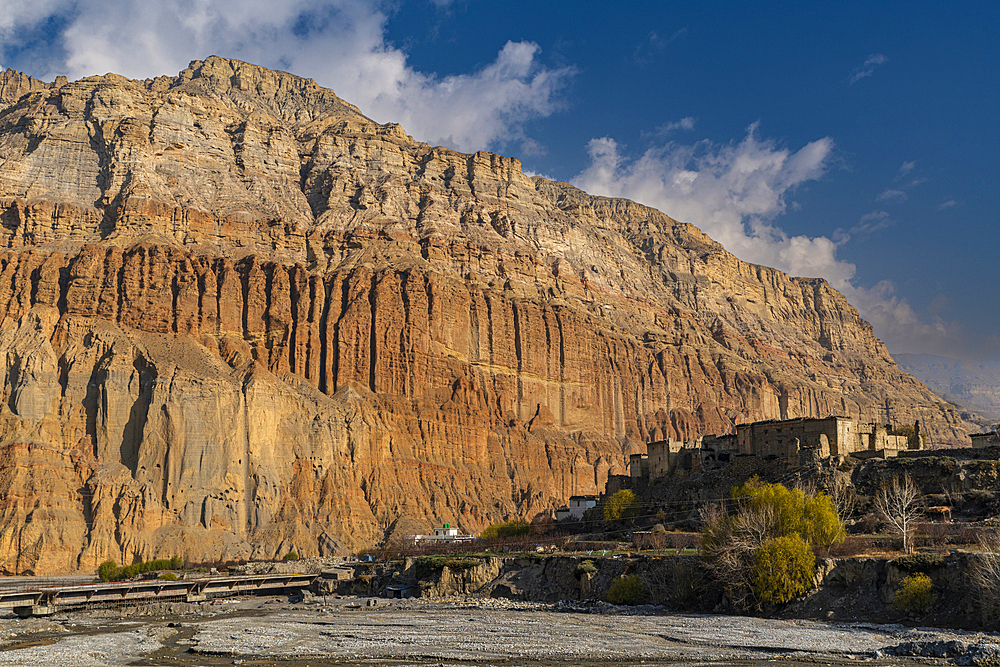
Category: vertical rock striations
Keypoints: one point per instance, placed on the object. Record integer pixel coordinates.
(239, 318)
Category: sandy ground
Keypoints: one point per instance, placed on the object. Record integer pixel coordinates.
(270, 631)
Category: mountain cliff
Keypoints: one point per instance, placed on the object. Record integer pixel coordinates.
(241, 318)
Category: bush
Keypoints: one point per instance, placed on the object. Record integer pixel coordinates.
(426, 565)
(915, 593)
(868, 524)
(853, 545)
(783, 568)
(512, 528)
(291, 555)
(585, 567)
(622, 506)
(168, 576)
(462, 564)
(919, 562)
(108, 571)
(627, 589)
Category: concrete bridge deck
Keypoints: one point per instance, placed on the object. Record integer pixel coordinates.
(43, 600)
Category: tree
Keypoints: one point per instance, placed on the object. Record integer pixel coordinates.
(621, 506)
(627, 589)
(822, 524)
(914, 438)
(986, 576)
(107, 571)
(512, 528)
(783, 567)
(843, 496)
(898, 504)
(915, 593)
(812, 516)
(788, 521)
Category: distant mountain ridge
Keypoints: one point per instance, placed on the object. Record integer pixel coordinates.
(971, 385)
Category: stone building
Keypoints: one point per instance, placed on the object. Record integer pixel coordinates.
(676, 456)
(817, 438)
(981, 440)
(797, 441)
(638, 466)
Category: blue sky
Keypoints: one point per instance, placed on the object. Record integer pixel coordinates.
(852, 141)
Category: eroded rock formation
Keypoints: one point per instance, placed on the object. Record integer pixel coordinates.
(240, 318)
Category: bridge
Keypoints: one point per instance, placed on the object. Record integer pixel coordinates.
(45, 600)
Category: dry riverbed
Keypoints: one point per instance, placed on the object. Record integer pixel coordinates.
(273, 631)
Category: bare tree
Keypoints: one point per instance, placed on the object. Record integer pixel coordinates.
(844, 498)
(728, 545)
(986, 576)
(898, 503)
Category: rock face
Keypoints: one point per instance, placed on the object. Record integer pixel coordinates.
(240, 318)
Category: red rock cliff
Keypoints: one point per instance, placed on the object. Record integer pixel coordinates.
(240, 318)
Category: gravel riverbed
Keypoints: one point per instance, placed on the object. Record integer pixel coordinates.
(462, 631)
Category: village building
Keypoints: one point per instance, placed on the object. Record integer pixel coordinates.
(638, 467)
(796, 441)
(577, 506)
(982, 440)
(446, 533)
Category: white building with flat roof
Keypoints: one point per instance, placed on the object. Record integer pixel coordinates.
(446, 533)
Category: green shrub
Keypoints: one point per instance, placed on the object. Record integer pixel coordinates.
(512, 528)
(427, 565)
(585, 567)
(291, 555)
(627, 589)
(915, 593)
(621, 506)
(108, 571)
(461, 564)
(168, 576)
(783, 567)
(919, 562)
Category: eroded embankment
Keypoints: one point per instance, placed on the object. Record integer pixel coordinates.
(846, 589)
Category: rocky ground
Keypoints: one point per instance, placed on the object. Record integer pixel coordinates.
(362, 631)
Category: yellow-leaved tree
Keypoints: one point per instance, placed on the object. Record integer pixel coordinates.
(762, 550)
(621, 506)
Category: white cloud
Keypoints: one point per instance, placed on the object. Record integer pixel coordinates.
(898, 325)
(731, 191)
(340, 43)
(654, 44)
(662, 131)
(532, 148)
(947, 204)
(868, 67)
(891, 194)
(905, 168)
(735, 192)
(873, 221)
